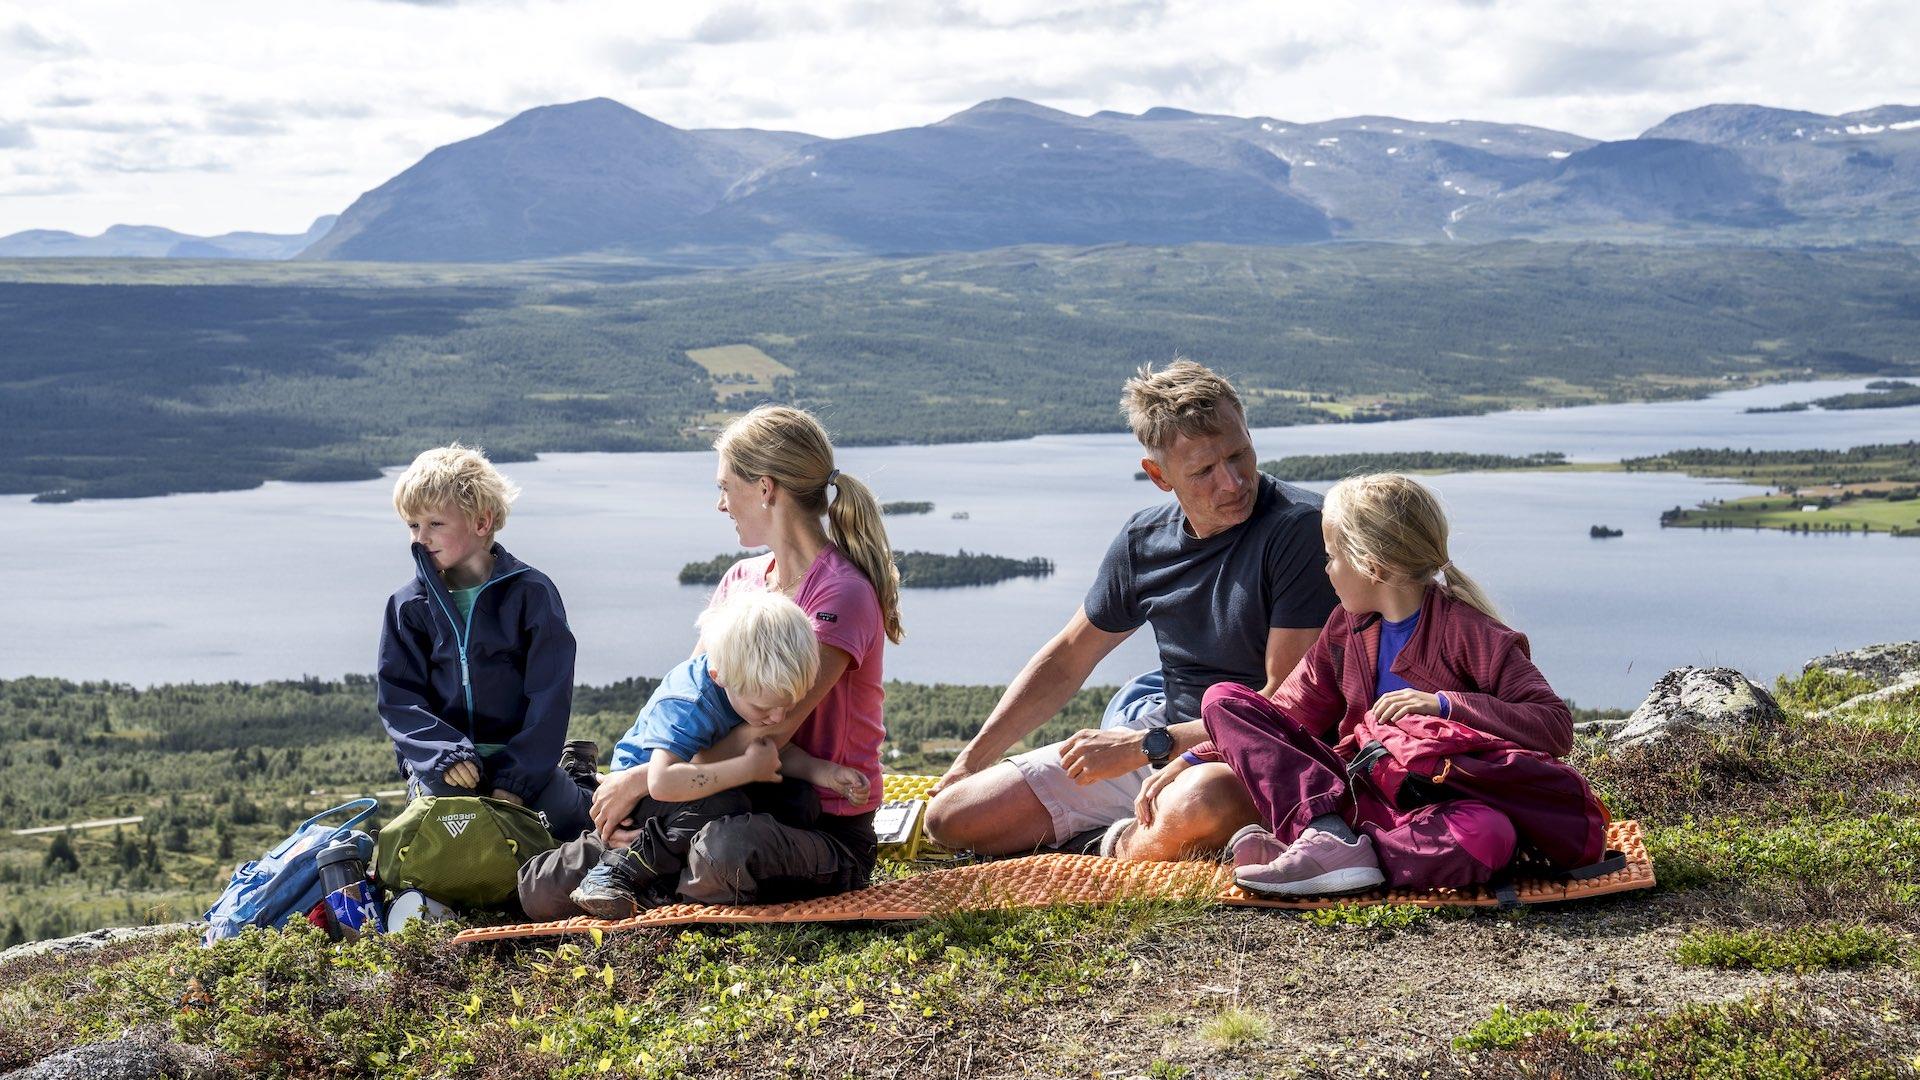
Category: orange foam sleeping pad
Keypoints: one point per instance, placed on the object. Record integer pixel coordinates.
(1043, 880)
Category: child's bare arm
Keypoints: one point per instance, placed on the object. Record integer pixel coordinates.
(671, 779)
(819, 772)
(799, 764)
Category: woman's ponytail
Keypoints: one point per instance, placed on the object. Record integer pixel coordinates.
(790, 447)
(854, 525)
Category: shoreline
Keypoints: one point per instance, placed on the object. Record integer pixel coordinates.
(1573, 464)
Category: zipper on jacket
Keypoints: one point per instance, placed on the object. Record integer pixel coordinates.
(462, 635)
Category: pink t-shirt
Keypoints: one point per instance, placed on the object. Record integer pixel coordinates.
(847, 727)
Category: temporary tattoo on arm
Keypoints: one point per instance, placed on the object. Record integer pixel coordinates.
(701, 779)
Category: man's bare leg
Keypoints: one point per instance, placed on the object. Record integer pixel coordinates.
(1199, 811)
(992, 812)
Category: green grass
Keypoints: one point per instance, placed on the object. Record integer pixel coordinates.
(1785, 512)
(1506, 1029)
(646, 1004)
(1796, 948)
(1235, 1028)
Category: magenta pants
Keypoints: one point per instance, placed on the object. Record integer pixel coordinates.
(1293, 777)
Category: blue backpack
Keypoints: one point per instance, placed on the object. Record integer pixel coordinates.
(284, 883)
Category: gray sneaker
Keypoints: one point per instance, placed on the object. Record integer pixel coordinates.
(580, 759)
(1318, 864)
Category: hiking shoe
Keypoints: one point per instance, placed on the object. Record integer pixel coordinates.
(1254, 845)
(580, 759)
(611, 890)
(1318, 864)
(1110, 840)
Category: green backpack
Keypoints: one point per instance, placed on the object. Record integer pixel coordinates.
(460, 849)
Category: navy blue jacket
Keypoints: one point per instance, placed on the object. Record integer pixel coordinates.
(503, 675)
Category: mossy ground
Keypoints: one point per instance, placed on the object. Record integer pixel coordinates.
(1780, 944)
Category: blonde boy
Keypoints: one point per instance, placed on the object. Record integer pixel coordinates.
(476, 661)
(761, 658)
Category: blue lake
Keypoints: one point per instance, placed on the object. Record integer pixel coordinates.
(288, 579)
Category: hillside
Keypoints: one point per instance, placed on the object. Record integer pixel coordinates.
(1780, 943)
(135, 378)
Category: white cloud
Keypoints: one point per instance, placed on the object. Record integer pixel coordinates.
(135, 107)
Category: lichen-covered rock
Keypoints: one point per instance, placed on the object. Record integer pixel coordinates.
(1717, 701)
(1881, 665)
(92, 939)
(138, 1055)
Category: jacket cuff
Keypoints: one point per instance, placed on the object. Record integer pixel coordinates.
(1446, 707)
(528, 788)
(452, 756)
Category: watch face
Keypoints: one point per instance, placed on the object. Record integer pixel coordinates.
(1158, 743)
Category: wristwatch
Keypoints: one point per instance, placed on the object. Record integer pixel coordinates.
(1159, 747)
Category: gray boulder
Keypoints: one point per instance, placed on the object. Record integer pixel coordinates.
(93, 939)
(1893, 669)
(141, 1054)
(1716, 701)
(1881, 665)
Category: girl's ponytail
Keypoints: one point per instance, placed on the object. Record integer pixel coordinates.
(854, 525)
(1468, 591)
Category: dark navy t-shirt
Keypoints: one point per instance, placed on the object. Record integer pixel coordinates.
(1212, 601)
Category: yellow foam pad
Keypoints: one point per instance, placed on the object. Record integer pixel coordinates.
(1045, 880)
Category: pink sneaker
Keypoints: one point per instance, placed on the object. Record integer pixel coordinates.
(1254, 845)
(1318, 864)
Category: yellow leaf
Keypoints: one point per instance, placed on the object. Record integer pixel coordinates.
(518, 998)
(606, 975)
(598, 936)
(606, 1063)
(858, 1007)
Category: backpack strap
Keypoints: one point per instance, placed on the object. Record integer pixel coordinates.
(1609, 863)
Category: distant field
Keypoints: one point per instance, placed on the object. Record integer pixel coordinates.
(137, 377)
(738, 370)
(1782, 512)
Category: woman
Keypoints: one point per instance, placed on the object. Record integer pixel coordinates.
(830, 554)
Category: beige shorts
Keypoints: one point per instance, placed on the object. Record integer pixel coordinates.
(1075, 807)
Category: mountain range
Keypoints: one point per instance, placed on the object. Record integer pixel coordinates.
(154, 242)
(597, 178)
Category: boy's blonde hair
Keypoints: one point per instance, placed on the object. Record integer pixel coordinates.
(761, 643)
(1183, 398)
(1387, 523)
(456, 476)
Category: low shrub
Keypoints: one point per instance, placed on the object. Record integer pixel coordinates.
(1798, 948)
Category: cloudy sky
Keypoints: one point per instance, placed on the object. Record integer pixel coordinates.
(212, 115)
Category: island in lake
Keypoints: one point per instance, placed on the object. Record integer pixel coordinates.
(892, 508)
(1865, 489)
(1879, 394)
(1310, 468)
(918, 569)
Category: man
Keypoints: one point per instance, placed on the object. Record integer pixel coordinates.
(1231, 575)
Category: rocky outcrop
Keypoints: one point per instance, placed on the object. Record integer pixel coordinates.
(92, 939)
(1714, 701)
(141, 1054)
(1893, 669)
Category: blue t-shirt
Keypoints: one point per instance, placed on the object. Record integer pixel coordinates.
(688, 713)
(1394, 637)
(1212, 601)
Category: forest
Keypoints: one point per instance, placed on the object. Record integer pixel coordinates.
(1310, 468)
(918, 569)
(122, 379)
